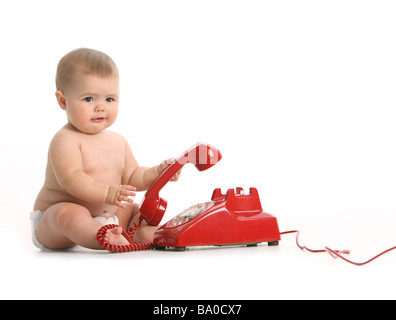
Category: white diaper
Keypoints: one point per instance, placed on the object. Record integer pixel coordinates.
(105, 221)
(35, 217)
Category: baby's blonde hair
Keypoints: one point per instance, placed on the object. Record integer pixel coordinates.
(85, 61)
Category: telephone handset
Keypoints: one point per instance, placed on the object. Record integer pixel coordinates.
(202, 155)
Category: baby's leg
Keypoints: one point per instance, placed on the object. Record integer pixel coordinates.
(130, 215)
(65, 225)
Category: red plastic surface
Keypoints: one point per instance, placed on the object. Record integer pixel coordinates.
(202, 155)
(231, 218)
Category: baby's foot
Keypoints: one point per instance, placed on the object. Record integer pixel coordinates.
(114, 236)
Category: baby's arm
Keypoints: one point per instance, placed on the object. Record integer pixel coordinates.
(66, 161)
(139, 177)
(143, 177)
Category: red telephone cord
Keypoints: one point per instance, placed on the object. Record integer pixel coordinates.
(336, 253)
(129, 236)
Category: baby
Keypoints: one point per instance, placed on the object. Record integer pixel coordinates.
(91, 172)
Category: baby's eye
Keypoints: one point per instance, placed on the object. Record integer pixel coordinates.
(88, 99)
(110, 99)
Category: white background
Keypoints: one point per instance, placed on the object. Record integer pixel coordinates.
(298, 95)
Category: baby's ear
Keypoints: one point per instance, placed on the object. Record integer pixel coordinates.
(60, 97)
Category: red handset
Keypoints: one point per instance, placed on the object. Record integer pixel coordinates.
(202, 155)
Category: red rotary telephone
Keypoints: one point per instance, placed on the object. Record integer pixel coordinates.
(228, 219)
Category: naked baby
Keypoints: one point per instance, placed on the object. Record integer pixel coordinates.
(91, 175)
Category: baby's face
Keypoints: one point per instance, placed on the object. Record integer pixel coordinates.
(92, 103)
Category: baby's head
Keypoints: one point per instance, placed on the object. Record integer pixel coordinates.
(82, 62)
(87, 87)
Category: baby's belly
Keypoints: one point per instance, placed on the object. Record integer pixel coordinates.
(101, 210)
(48, 197)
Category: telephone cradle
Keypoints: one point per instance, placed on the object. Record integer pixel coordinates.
(234, 218)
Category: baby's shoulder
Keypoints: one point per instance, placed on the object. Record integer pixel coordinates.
(115, 137)
(65, 137)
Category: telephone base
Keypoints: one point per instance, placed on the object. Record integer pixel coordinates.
(230, 219)
(162, 248)
(182, 249)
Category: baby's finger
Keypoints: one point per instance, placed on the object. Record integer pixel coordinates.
(127, 190)
(127, 193)
(125, 199)
(176, 176)
(121, 205)
(161, 168)
(128, 187)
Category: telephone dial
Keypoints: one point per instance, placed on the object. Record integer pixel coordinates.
(233, 218)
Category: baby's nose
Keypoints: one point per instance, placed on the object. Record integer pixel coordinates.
(99, 107)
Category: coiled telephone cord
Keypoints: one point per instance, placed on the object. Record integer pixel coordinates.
(129, 236)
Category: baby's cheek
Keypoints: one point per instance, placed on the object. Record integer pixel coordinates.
(111, 118)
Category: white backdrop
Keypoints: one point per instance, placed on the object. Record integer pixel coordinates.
(298, 95)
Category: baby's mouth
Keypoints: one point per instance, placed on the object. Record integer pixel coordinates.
(99, 119)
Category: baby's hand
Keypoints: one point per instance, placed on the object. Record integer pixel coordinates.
(119, 195)
(165, 164)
